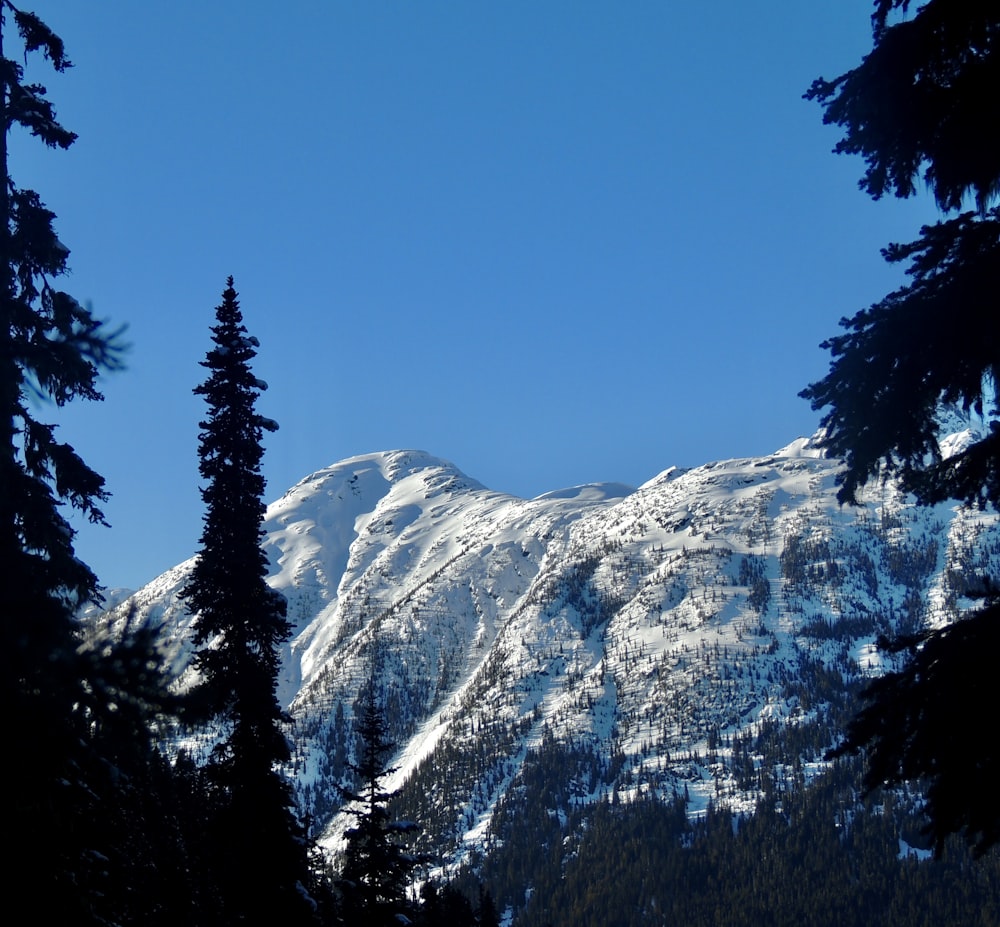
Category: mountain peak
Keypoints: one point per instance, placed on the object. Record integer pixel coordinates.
(655, 626)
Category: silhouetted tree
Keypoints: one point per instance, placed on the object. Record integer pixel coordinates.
(377, 867)
(254, 838)
(91, 838)
(135, 813)
(923, 104)
(77, 707)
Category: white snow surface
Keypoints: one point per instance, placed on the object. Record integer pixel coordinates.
(651, 624)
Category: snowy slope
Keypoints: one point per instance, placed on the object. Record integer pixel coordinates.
(651, 625)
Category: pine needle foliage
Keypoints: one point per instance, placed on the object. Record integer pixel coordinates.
(80, 705)
(923, 106)
(377, 866)
(252, 836)
(237, 612)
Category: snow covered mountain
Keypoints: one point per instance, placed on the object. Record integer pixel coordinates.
(659, 629)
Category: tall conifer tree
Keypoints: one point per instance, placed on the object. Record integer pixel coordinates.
(50, 347)
(254, 838)
(377, 867)
(77, 709)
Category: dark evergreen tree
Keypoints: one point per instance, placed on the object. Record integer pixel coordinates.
(445, 906)
(377, 867)
(78, 707)
(923, 104)
(378, 863)
(136, 813)
(253, 838)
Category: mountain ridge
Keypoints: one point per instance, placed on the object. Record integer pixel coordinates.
(657, 627)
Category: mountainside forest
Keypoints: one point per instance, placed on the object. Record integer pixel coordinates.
(550, 666)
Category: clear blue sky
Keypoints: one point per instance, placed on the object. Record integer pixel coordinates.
(553, 241)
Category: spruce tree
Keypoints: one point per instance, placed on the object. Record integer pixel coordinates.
(80, 704)
(58, 693)
(377, 867)
(52, 348)
(924, 105)
(253, 837)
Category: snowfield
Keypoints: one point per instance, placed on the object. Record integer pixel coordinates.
(649, 625)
